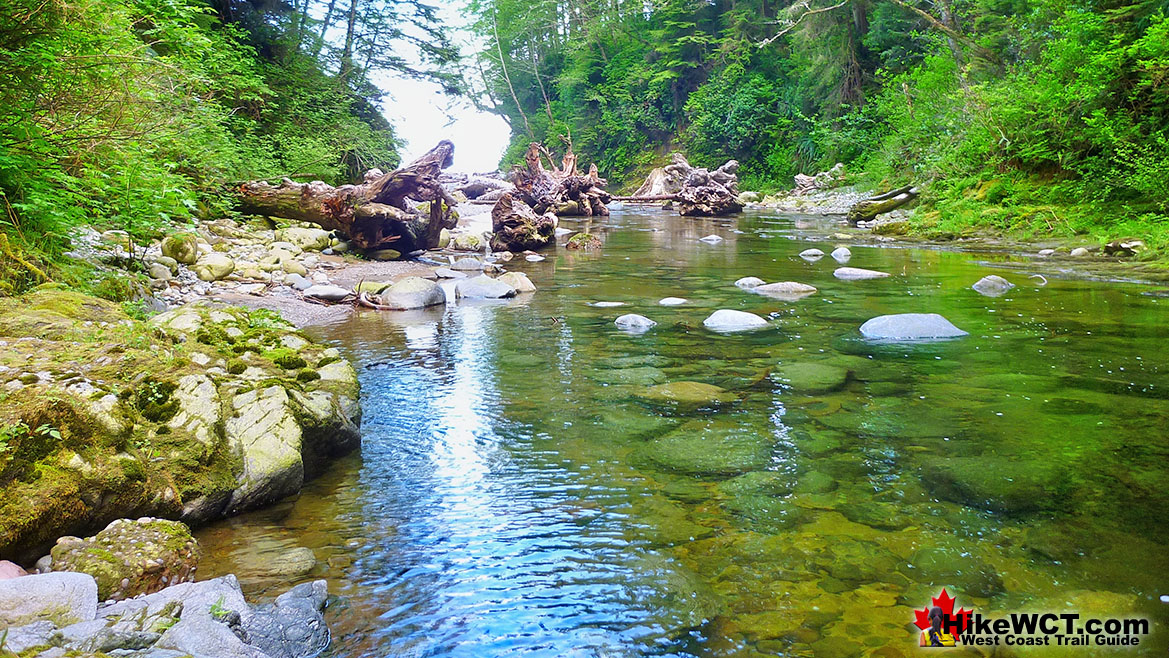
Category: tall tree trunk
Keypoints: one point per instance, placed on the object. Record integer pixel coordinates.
(350, 33)
(507, 77)
(325, 27)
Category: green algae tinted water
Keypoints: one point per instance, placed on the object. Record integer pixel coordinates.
(522, 490)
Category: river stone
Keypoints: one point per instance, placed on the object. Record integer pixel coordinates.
(204, 636)
(786, 290)
(910, 326)
(711, 239)
(815, 482)
(953, 567)
(483, 287)
(412, 292)
(159, 271)
(328, 293)
(606, 304)
(293, 625)
(634, 322)
(383, 254)
(711, 447)
(1079, 252)
(266, 433)
(444, 238)
(533, 258)
(857, 274)
(811, 255)
(168, 262)
(1046, 252)
(9, 570)
(296, 562)
(731, 320)
(19, 639)
(992, 285)
(1000, 483)
(841, 254)
(467, 265)
(672, 301)
(183, 247)
(749, 282)
(294, 267)
(297, 282)
(213, 267)
(518, 280)
(812, 377)
(373, 287)
(468, 242)
(129, 558)
(686, 395)
(281, 245)
(448, 273)
(308, 239)
(62, 598)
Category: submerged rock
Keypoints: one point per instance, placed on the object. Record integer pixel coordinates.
(711, 447)
(467, 265)
(857, 274)
(686, 395)
(483, 287)
(992, 285)
(812, 377)
(910, 326)
(999, 483)
(129, 558)
(412, 292)
(634, 322)
(954, 567)
(729, 320)
(749, 282)
(711, 239)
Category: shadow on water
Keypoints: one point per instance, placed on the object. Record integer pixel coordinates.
(524, 487)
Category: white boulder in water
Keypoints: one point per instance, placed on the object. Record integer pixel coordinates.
(856, 274)
(711, 239)
(812, 255)
(328, 293)
(533, 258)
(910, 326)
(841, 254)
(992, 285)
(483, 287)
(634, 322)
(606, 304)
(730, 320)
(749, 282)
(672, 301)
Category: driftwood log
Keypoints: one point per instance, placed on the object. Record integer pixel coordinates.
(562, 190)
(806, 184)
(374, 214)
(867, 209)
(697, 191)
(516, 227)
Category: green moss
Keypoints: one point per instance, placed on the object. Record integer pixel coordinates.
(307, 375)
(286, 358)
(153, 399)
(327, 360)
(213, 335)
(236, 366)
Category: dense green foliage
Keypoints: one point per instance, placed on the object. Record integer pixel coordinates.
(1041, 114)
(138, 114)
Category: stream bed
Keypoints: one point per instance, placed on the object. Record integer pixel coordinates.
(523, 489)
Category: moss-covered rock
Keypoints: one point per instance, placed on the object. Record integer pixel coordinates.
(584, 242)
(107, 417)
(129, 558)
(711, 447)
(183, 247)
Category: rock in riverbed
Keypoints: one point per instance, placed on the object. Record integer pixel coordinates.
(60, 598)
(857, 274)
(633, 322)
(729, 320)
(910, 326)
(671, 301)
(328, 293)
(484, 287)
(841, 254)
(811, 255)
(992, 285)
(785, 290)
(412, 292)
(518, 280)
(749, 282)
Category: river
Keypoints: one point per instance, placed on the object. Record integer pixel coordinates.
(520, 492)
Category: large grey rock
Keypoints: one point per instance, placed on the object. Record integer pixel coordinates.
(22, 638)
(467, 265)
(204, 636)
(786, 290)
(265, 432)
(841, 254)
(292, 626)
(62, 598)
(910, 326)
(328, 293)
(483, 287)
(218, 596)
(749, 282)
(811, 255)
(213, 267)
(857, 274)
(519, 281)
(412, 292)
(634, 322)
(992, 285)
(730, 320)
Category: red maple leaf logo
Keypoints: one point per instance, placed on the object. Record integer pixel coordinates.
(946, 603)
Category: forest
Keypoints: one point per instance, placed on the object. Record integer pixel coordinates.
(1025, 116)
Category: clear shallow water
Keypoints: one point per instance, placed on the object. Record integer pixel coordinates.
(517, 493)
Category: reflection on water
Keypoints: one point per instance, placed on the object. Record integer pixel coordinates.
(524, 488)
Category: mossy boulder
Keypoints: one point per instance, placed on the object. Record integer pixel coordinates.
(183, 247)
(130, 557)
(308, 239)
(812, 377)
(584, 242)
(1000, 483)
(711, 447)
(109, 417)
(685, 396)
(213, 267)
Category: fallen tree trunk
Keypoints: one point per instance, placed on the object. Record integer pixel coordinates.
(375, 214)
(516, 227)
(562, 190)
(867, 209)
(710, 193)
